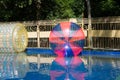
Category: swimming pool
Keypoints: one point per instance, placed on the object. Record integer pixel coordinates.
(90, 65)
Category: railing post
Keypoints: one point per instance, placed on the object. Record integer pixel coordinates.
(38, 44)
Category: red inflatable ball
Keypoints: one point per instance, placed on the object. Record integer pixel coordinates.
(67, 39)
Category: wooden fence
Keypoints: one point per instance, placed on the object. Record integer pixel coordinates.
(105, 33)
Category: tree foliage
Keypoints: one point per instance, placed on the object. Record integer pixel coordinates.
(102, 8)
(61, 9)
(12, 10)
(19, 10)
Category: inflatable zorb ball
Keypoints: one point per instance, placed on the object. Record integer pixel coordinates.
(13, 37)
(67, 39)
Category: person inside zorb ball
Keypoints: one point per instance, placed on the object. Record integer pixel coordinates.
(67, 39)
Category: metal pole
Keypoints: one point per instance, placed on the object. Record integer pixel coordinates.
(89, 24)
(89, 35)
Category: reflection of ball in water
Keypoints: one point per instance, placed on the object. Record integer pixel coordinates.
(68, 68)
(22, 65)
(67, 39)
(13, 65)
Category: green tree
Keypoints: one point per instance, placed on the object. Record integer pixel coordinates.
(60, 9)
(109, 8)
(19, 10)
(12, 10)
(101, 8)
(78, 7)
(64, 8)
(47, 9)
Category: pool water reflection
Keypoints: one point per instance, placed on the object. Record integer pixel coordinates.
(99, 68)
(68, 68)
(78, 68)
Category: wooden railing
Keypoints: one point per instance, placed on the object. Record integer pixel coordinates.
(105, 33)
